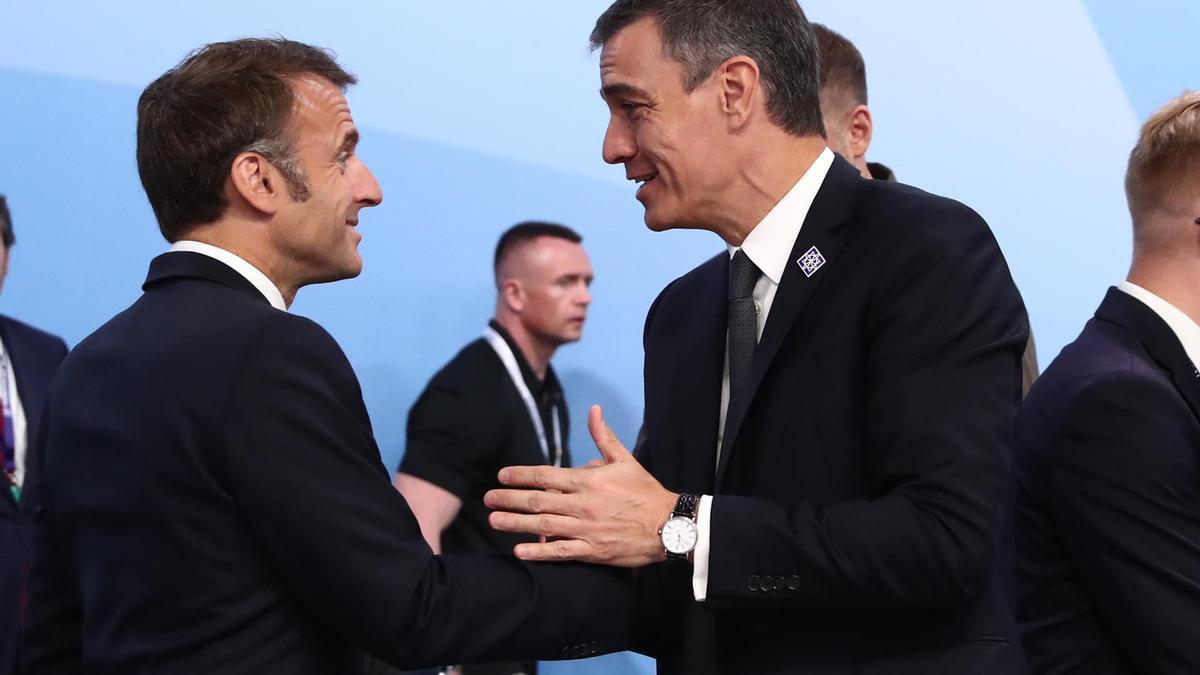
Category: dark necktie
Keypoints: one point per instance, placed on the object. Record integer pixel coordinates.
(743, 321)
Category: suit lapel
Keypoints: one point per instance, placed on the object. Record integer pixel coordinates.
(829, 210)
(1159, 340)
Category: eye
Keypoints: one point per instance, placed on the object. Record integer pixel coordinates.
(630, 108)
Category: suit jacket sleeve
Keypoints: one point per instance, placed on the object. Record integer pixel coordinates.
(303, 465)
(944, 328)
(1124, 493)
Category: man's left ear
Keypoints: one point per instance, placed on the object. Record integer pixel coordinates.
(860, 130)
(738, 79)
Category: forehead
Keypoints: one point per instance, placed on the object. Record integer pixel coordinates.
(634, 57)
(550, 253)
(317, 102)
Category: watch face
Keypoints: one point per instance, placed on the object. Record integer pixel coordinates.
(679, 535)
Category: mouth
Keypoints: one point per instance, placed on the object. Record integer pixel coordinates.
(643, 180)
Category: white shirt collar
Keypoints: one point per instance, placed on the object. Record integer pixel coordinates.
(769, 244)
(252, 274)
(1181, 324)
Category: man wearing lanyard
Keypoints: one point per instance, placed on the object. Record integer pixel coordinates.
(28, 359)
(498, 402)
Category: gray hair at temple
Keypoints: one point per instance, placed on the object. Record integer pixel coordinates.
(703, 34)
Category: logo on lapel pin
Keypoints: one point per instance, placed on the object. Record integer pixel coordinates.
(811, 261)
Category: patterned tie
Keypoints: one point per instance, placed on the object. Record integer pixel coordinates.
(743, 321)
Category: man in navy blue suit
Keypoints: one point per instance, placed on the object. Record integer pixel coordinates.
(213, 500)
(28, 359)
(829, 399)
(1108, 445)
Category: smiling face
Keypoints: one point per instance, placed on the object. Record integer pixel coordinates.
(671, 141)
(315, 236)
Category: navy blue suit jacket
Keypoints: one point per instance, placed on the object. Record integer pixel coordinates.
(34, 355)
(1108, 501)
(213, 501)
(857, 521)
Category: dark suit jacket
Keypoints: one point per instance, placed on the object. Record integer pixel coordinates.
(214, 502)
(34, 355)
(1108, 501)
(857, 516)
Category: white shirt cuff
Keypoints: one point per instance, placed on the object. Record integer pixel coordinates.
(700, 555)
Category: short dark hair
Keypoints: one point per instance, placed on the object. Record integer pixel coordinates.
(6, 228)
(222, 99)
(528, 231)
(842, 66)
(702, 34)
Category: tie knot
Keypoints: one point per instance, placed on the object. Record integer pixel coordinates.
(743, 274)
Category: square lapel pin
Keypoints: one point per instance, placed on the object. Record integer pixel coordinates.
(811, 261)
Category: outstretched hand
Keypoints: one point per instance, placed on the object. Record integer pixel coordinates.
(607, 514)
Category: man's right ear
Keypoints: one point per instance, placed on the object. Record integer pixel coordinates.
(512, 294)
(256, 181)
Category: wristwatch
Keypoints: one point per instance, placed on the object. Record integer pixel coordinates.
(679, 533)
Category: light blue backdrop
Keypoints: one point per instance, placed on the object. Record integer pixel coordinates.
(477, 114)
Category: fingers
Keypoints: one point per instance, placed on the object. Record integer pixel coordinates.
(543, 525)
(606, 441)
(541, 477)
(564, 549)
(531, 501)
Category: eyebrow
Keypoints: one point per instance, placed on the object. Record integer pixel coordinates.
(621, 89)
(349, 141)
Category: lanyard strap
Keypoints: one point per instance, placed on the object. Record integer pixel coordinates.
(514, 371)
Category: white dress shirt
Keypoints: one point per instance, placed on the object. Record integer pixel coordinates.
(1181, 324)
(20, 443)
(252, 274)
(769, 245)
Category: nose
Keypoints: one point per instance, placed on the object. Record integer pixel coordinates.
(619, 145)
(585, 295)
(366, 189)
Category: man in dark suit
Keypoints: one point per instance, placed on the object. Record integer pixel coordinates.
(213, 500)
(28, 359)
(829, 402)
(1107, 458)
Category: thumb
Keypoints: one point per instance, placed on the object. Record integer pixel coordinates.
(607, 442)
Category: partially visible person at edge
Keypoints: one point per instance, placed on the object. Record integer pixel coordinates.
(28, 359)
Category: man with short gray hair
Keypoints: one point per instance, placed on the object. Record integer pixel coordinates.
(829, 399)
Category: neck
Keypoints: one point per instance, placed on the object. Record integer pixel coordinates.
(536, 352)
(225, 235)
(764, 179)
(1173, 278)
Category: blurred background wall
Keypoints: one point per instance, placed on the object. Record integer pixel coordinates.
(478, 114)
